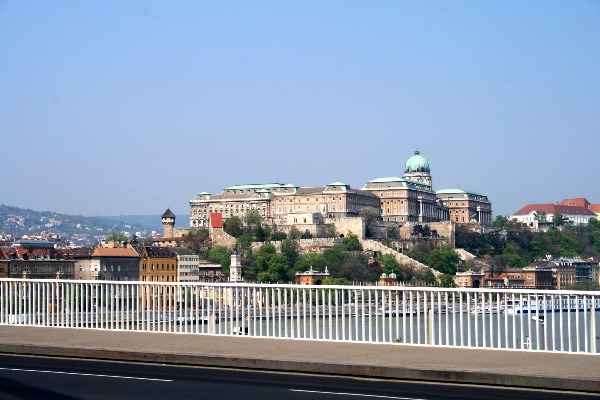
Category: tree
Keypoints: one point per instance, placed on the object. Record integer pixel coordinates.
(446, 280)
(306, 235)
(233, 226)
(330, 231)
(219, 255)
(444, 259)
(336, 281)
(426, 231)
(244, 242)
(253, 218)
(425, 275)
(351, 243)
(289, 248)
(500, 221)
(196, 239)
(558, 219)
(370, 215)
(259, 233)
(393, 232)
(118, 237)
(417, 230)
(294, 233)
(390, 264)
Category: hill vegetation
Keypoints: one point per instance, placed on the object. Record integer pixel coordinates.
(16, 222)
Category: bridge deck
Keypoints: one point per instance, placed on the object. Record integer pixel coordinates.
(541, 370)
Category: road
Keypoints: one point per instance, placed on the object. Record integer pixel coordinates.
(57, 378)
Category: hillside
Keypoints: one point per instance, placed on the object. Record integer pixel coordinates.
(16, 222)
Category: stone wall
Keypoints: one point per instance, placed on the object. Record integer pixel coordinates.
(346, 225)
(221, 238)
(372, 245)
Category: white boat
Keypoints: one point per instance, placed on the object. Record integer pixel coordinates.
(487, 310)
(528, 306)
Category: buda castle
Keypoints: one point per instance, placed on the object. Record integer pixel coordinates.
(410, 198)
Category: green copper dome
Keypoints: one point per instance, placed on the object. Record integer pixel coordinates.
(416, 163)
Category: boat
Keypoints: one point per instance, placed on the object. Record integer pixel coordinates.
(527, 305)
(487, 310)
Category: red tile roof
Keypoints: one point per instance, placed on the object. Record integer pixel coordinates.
(595, 208)
(554, 208)
(114, 252)
(216, 220)
(580, 201)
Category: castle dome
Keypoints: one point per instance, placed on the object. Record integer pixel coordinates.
(416, 163)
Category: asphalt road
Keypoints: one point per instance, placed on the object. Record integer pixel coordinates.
(58, 378)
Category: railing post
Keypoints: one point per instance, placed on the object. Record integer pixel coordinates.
(593, 326)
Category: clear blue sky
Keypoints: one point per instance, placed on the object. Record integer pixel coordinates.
(126, 107)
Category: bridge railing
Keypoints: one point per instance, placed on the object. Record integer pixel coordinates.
(528, 320)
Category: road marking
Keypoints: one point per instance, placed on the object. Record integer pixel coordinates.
(81, 374)
(355, 394)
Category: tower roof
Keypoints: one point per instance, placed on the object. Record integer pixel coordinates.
(416, 163)
(168, 214)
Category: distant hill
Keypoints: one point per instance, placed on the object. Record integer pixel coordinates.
(147, 220)
(17, 222)
(150, 220)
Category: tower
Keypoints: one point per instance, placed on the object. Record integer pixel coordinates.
(235, 268)
(168, 222)
(417, 169)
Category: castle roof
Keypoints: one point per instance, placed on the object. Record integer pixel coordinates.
(416, 163)
(168, 214)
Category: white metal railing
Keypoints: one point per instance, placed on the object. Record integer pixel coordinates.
(533, 320)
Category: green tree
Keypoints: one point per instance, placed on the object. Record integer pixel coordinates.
(336, 281)
(370, 215)
(500, 221)
(446, 280)
(289, 248)
(259, 233)
(233, 226)
(443, 259)
(219, 255)
(253, 218)
(244, 242)
(118, 237)
(426, 276)
(390, 264)
(558, 219)
(351, 243)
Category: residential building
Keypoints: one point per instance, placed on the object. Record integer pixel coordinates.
(39, 263)
(568, 271)
(538, 276)
(575, 211)
(187, 265)
(209, 272)
(4, 264)
(112, 262)
(158, 264)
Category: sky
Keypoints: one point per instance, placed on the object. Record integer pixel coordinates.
(130, 107)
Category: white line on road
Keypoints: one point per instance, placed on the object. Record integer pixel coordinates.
(355, 394)
(81, 374)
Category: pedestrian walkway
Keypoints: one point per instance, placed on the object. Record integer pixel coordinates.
(579, 372)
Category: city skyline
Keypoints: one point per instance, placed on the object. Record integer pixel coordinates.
(129, 108)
